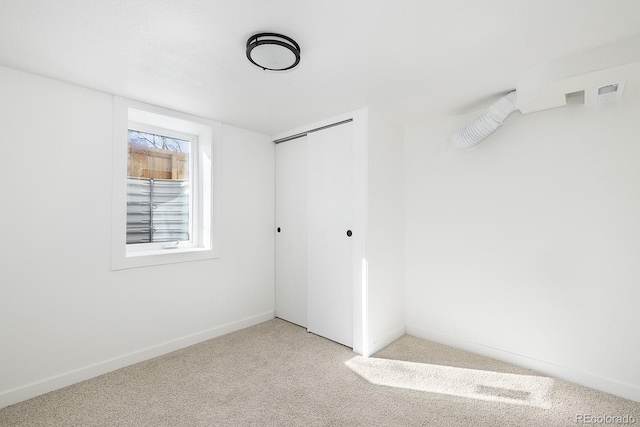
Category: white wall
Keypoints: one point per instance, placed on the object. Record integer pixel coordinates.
(64, 315)
(526, 247)
(385, 232)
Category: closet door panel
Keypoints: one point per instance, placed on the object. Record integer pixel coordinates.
(329, 248)
(291, 239)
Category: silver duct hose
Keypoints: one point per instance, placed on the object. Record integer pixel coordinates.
(486, 124)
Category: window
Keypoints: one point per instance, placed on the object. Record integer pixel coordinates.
(159, 171)
(164, 202)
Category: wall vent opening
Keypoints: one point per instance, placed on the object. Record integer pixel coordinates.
(574, 97)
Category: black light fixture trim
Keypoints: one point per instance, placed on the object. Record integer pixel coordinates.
(273, 39)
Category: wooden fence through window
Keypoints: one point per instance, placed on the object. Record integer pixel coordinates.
(156, 163)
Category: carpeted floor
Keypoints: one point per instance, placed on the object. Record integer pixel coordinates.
(277, 374)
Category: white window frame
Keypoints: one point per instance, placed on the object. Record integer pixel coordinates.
(205, 192)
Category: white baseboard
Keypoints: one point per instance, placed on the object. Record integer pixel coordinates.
(386, 339)
(608, 385)
(46, 385)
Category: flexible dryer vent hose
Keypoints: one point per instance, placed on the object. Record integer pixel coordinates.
(486, 124)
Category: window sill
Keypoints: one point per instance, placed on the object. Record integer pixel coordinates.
(161, 252)
(161, 256)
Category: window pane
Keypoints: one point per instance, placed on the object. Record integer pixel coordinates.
(170, 210)
(158, 189)
(138, 210)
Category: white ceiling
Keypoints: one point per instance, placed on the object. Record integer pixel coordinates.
(413, 59)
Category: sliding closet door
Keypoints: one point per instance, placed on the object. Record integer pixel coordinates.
(329, 222)
(291, 231)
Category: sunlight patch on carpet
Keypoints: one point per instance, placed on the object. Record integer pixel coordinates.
(493, 386)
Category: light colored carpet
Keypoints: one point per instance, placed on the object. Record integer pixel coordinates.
(277, 374)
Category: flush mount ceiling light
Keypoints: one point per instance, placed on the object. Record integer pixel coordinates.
(274, 52)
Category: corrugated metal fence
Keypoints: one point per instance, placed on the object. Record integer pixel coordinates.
(157, 210)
